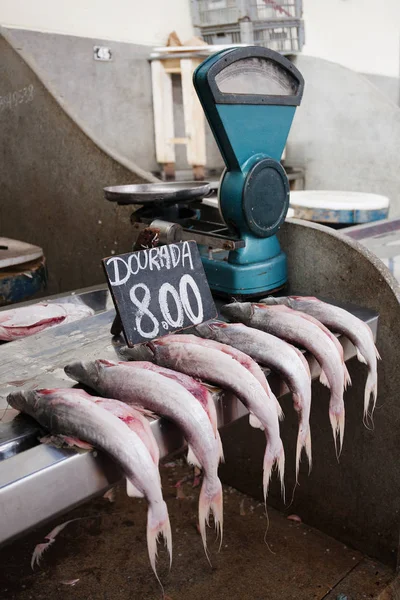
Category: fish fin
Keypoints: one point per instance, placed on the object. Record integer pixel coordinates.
(255, 422)
(132, 490)
(145, 412)
(281, 414)
(337, 425)
(158, 524)
(64, 441)
(323, 379)
(269, 462)
(221, 450)
(210, 502)
(303, 441)
(378, 356)
(38, 552)
(191, 458)
(347, 378)
(371, 389)
(213, 389)
(360, 357)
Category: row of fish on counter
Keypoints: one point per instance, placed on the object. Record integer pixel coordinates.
(166, 377)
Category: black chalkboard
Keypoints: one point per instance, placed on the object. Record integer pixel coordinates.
(159, 290)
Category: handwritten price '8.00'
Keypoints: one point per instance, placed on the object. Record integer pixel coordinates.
(167, 293)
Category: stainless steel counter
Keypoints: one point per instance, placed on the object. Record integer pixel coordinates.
(38, 482)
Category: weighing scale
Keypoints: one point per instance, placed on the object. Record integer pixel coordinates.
(249, 96)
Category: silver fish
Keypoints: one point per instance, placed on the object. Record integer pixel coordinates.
(215, 363)
(198, 390)
(140, 385)
(244, 359)
(282, 358)
(341, 321)
(71, 412)
(289, 326)
(135, 420)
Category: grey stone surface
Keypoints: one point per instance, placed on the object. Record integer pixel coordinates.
(51, 180)
(346, 133)
(357, 499)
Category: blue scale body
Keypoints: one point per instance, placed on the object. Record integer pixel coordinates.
(251, 131)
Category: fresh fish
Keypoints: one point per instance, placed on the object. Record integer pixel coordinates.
(198, 390)
(282, 358)
(21, 322)
(141, 386)
(341, 321)
(339, 347)
(291, 327)
(72, 413)
(135, 421)
(215, 363)
(244, 359)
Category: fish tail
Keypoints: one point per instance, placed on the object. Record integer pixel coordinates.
(220, 447)
(158, 524)
(270, 460)
(303, 441)
(210, 501)
(336, 418)
(371, 389)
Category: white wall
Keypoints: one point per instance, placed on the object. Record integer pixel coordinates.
(363, 35)
(137, 21)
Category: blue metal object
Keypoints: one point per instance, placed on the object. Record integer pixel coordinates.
(23, 281)
(249, 96)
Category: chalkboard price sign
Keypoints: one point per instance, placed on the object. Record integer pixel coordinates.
(159, 290)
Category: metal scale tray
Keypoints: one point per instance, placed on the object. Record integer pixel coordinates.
(39, 482)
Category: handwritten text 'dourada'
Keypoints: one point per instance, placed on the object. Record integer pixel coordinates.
(159, 290)
(164, 257)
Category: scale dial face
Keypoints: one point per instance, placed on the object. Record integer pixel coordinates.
(256, 75)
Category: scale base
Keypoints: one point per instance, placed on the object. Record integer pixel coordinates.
(244, 280)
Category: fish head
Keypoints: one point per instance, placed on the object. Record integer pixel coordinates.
(84, 372)
(141, 352)
(209, 329)
(240, 312)
(18, 400)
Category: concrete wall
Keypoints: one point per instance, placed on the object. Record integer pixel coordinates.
(357, 499)
(113, 99)
(389, 86)
(346, 133)
(52, 176)
(362, 35)
(132, 21)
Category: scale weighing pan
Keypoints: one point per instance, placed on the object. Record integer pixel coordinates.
(158, 193)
